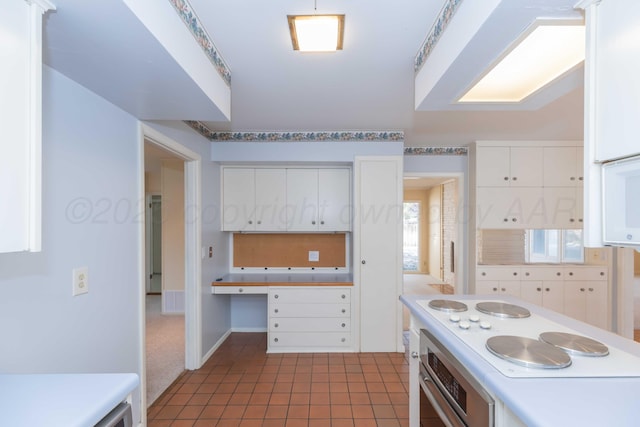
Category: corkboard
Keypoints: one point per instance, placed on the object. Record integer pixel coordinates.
(288, 250)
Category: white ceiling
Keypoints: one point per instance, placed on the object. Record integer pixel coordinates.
(367, 86)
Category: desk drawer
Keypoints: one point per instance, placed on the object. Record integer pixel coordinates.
(309, 324)
(310, 310)
(240, 290)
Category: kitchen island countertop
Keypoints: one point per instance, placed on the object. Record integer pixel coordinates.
(547, 401)
(61, 400)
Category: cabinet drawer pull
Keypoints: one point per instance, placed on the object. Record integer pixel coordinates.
(343, 325)
(602, 273)
(240, 290)
(590, 289)
(515, 273)
(573, 178)
(571, 273)
(572, 220)
(581, 289)
(276, 296)
(558, 273)
(526, 274)
(321, 222)
(506, 178)
(259, 222)
(343, 296)
(313, 223)
(506, 219)
(538, 289)
(484, 274)
(344, 311)
(514, 219)
(250, 222)
(547, 289)
(495, 289)
(515, 178)
(276, 325)
(343, 339)
(275, 340)
(503, 289)
(275, 311)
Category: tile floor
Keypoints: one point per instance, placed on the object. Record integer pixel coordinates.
(242, 386)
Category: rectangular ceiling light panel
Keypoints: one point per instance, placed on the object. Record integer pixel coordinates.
(545, 54)
(316, 33)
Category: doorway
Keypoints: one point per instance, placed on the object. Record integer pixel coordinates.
(189, 206)
(154, 241)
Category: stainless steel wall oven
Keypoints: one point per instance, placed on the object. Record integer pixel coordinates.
(458, 399)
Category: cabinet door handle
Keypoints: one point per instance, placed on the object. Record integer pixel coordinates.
(514, 219)
(259, 222)
(558, 273)
(590, 289)
(506, 178)
(321, 222)
(503, 289)
(363, 262)
(313, 223)
(571, 273)
(275, 311)
(343, 339)
(602, 273)
(495, 289)
(276, 296)
(572, 220)
(343, 296)
(484, 274)
(506, 220)
(515, 273)
(275, 339)
(573, 178)
(275, 326)
(538, 289)
(250, 222)
(547, 289)
(515, 178)
(581, 289)
(344, 311)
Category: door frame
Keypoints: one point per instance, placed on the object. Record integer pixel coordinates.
(462, 237)
(193, 269)
(148, 218)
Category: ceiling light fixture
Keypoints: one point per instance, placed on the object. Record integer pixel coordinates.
(316, 33)
(544, 53)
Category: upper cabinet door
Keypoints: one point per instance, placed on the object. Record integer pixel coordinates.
(509, 167)
(334, 199)
(563, 166)
(493, 167)
(238, 195)
(526, 166)
(302, 199)
(270, 199)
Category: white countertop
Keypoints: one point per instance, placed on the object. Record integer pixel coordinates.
(61, 400)
(269, 278)
(548, 402)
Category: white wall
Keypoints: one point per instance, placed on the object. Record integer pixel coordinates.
(90, 205)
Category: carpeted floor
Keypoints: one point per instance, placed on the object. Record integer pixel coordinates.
(165, 348)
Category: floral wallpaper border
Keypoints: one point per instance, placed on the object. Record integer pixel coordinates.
(447, 12)
(190, 19)
(367, 136)
(435, 151)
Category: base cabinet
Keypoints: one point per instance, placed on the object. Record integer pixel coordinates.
(309, 319)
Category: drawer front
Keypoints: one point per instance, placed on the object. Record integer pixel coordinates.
(310, 324)
(309, 339)
(541, 273)
(498, 273)
(315, 295)
(585, 273)
(310, 310)
(240, 289)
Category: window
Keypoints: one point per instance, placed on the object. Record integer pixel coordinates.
(410, 236)
(555, 246)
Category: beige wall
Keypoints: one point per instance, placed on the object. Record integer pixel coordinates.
(449, 230)
(435, 232)
(152, 183)
(172, 173)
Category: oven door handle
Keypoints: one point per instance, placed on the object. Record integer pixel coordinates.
(447, 414)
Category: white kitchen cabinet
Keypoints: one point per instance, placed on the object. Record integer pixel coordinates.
(509, 166)
(319, 199)
(543, 285)
(498, 280)
(378, 251)
(563, 166)
(514, 208)
(563, 207)
(254, 199)
(586, 294)
(309, 319)
(21, 124)
(587, 301)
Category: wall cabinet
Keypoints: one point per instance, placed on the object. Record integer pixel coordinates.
(309, 319)
(318, 199)
(286, 199)
(509, 167)
(528, 186)
(254, 199)
(579, 291)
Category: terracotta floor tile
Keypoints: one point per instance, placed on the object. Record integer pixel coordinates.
(276, 411)
(243, 386)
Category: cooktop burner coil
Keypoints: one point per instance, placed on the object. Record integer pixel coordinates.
(447, 305)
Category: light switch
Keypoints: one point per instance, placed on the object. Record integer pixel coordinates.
(314, 256)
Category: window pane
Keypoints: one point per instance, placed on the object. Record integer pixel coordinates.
(410, 236)
(552, 245)
(538, 243)
(573, 250)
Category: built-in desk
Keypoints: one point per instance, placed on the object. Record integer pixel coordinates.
(259, 283)
(306, 312)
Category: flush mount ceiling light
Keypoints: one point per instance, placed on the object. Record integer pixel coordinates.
(545, 53)
(316, 33)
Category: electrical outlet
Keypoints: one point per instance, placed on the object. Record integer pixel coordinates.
(80, 281)
(314, 256)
